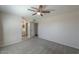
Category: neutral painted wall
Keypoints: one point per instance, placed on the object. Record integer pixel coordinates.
(1, 31)
(11, 29)
(32, 33)
(63, 29)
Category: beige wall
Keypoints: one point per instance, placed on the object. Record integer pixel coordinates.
(32, 33)
(1, 31)
(11, 29)
(63, 29)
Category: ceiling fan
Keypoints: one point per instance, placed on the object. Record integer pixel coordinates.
(40, 10)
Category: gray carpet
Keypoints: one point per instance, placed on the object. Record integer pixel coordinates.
(37, 46)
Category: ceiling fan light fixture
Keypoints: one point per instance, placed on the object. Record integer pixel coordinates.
(39, 10)
(38, 13)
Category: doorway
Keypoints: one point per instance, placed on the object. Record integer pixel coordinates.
(24, 28)
(36, 29)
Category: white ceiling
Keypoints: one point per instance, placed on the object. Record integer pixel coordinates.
(21, 10)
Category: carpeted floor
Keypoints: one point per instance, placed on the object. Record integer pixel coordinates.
(38, 46)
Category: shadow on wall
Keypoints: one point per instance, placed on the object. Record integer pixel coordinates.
(1, 32)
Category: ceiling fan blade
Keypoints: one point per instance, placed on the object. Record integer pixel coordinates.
(51, 10)
(34, 8)
(34, 14)
(31, 10)
(45, 11)
(40, 6)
